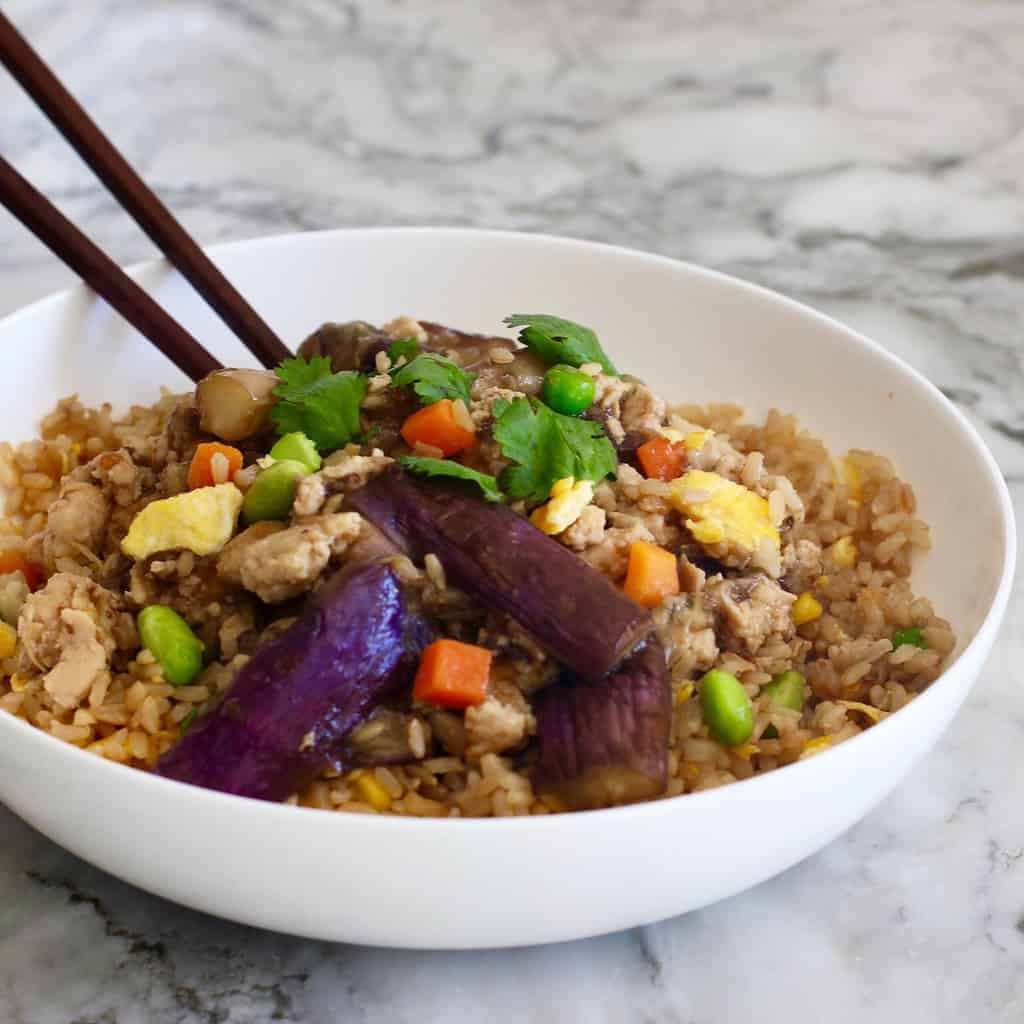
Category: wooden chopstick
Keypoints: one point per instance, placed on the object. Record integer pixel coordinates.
(102, 274)
(136, 197)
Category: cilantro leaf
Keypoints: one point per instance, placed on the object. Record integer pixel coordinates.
(560, 341)
(547, 447)
(445, 467)
(433, 377)
(323, 405)
(408, 348)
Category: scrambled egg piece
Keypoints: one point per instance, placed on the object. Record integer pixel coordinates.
(569, 497)
(692, 441)
(201, 521)
(722, 512)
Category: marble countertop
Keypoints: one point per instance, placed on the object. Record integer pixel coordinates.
(862, 156)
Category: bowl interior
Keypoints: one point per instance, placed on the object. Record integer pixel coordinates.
(693, 335)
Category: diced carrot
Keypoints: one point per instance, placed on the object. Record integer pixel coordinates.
(443, 426)
(452, 674)
(652, 575)
(15, 561)
(204, 472)
(661, 459)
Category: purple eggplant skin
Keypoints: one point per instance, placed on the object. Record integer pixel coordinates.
(290, 708)
(508, 565)
(606, 743)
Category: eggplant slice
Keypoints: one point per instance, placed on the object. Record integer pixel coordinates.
(606, 743)
(291, 707)
(508, 565)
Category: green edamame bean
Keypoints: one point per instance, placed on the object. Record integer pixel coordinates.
(908, 636)
(728, 710)
(787, 690)
(298, 448)
(271, 494)
(567, 390)
(167, 636)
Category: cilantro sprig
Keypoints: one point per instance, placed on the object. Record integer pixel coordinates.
(433, 377)
(445, 467)
(322, 404)
(546, 447)
(404, 348)
(560, 341)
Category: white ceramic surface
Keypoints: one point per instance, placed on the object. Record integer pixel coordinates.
(695, 335)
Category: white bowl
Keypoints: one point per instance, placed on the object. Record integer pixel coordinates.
(693, 334)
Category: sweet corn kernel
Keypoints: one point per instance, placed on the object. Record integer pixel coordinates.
(371, 790)
(681, 693)
(696, 439)
(18, 683)
(821, 581)
(844, 553)
(806, 609)
(8, 640)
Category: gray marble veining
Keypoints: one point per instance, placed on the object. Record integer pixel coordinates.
(862, 155)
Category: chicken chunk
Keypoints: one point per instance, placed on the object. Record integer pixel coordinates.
(287, 563)
(76, 523)
(69, 631)
(229, 561)
(643, 412)
(685, 627)
(503, 721)
(340, 474)
(748, 611)
(586, 531)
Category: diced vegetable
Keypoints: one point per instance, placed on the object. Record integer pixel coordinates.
(728, 709)
(235, 404)
(453, 674)
(15, 561)
(271, 494)
(505, 563)
(606, 743)
(213, 463)
(439, 426)
(787, 689)
(370, 790)
(200, 521)
(806, 608)
(548, 447)
(168, 637)
(321, 404)
(296, 447)
(652, 575)
(843, 553)
(661, 459)
(560, 341)
(292, 705)
(432, 378)
(445, 467)
(569, 498)
(567, 390)
(912, 636)
(8, 640)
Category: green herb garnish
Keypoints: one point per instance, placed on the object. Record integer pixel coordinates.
(548, 447)
(445, 467)
(405, 348)
(433, 377)
(186, 722)
(560, 341)
(321, 404)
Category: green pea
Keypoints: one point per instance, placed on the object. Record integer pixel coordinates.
(298, 448)
(167, 636)
(786, 690)
(728, 710)
(271, 494)
(912, 636)
(567, 390)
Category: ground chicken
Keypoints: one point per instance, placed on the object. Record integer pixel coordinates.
(748, 611)
(643, 412)
(69, 630)
(518, 658)
(611, 555)
(119, 478)
(801, 564)
(501, 722)
(685, 627)
(341, 473)
(286, 564)
(587, 531)
(75, 526)
(229, 561)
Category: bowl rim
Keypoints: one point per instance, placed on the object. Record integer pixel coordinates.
(50, 746)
